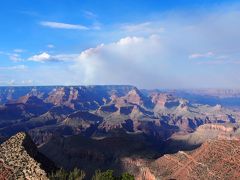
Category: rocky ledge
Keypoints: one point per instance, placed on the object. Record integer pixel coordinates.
(20, 159)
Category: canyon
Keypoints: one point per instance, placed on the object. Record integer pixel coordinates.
(120, 127)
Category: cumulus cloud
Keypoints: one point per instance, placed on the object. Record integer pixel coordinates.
(125, 61)
(60, 25)
(45, 57)
(41, 57)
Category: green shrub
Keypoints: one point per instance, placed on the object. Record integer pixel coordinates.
(76, 174)
(107, 175)
(61, 174)
(127, 176)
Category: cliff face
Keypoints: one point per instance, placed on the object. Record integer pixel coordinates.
(20, 159)
(215, 159)
(209, 131)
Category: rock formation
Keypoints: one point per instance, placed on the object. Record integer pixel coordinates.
(215, 159)
(20, 159)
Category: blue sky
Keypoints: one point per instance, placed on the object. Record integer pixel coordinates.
(150, 44)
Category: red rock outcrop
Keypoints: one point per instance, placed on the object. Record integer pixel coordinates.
(215, 159)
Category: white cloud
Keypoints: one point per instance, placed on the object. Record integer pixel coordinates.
(201, 55)
(60, 25)
(40, 57)
(129, 41)
(122, 62)
(46, 57)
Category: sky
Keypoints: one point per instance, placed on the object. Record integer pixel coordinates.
(146, 43)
